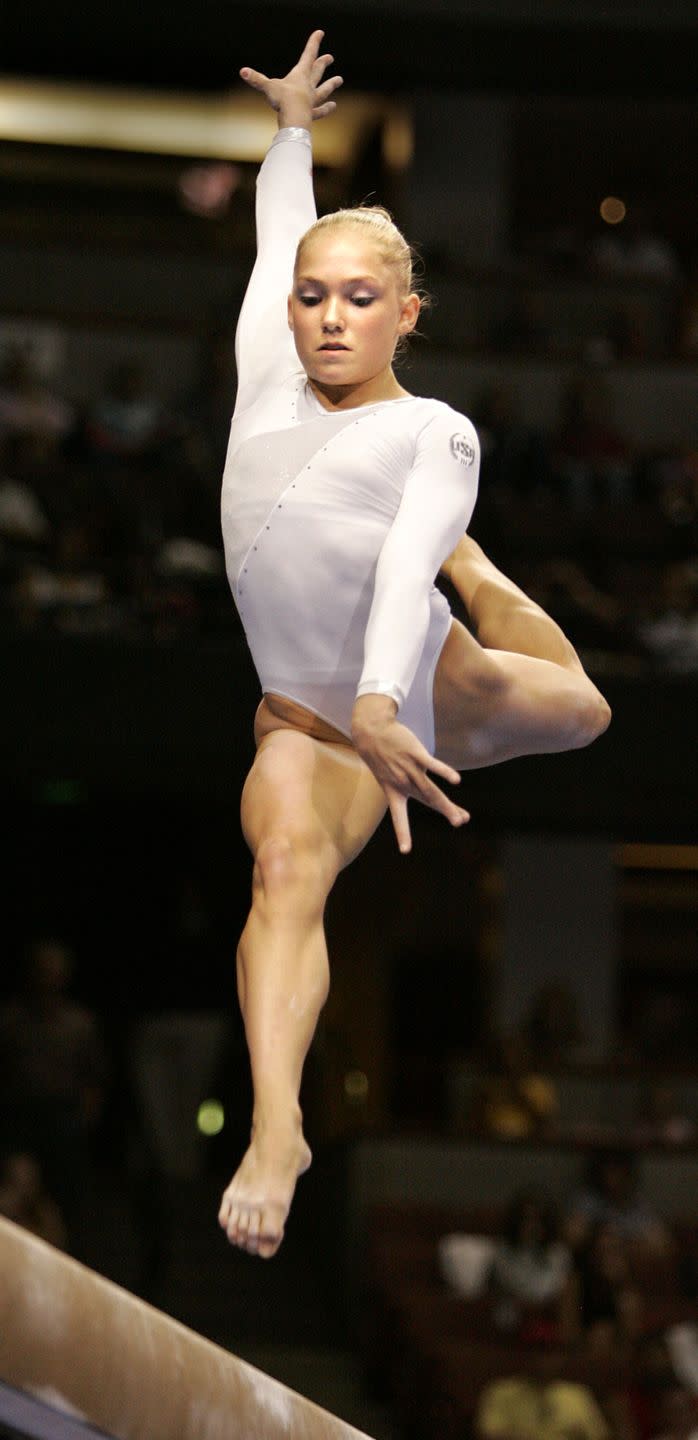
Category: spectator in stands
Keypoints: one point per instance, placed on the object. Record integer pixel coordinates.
(663, 1116)
(24, 1199)
(24, 525)
(688, 319)
(52, 1074)
(515, 1099)
(610, 1198)
(681, 1341)
(634, 248)
(22, 517)
(627, 331)
(530, 1268)
(652, 1377)
(537, 1404)
(514, 455)
(67, 587)
(522, 327)
(590, 456)
(603, 1305)
(678, 1415)
(662, 1026)
(670, 636)
(552, 1027)
(179, 589)
(206, 410)
(29, 408)
(127, 421)
(667, 479)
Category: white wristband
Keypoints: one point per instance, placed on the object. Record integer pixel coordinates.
(290, 132)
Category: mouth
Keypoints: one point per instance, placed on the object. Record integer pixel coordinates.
(331, 345)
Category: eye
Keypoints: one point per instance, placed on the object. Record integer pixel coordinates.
(309, 299)
(362, 300)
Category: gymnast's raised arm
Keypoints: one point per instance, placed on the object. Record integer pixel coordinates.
(285, 209)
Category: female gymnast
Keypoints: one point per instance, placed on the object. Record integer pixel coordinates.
(343, 496)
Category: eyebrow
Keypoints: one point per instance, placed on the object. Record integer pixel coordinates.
(354, 280)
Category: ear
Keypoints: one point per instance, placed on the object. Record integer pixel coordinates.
(289, 312)
(409, 314)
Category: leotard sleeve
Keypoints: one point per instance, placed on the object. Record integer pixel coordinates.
(437, 502)
(285, 208)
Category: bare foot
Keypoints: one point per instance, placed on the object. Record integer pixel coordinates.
(256, 1203)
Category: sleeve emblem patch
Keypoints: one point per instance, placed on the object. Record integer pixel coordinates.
(462, 450)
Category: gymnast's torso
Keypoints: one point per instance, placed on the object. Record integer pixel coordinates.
(334, 522)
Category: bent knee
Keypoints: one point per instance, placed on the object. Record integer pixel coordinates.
(294, 864)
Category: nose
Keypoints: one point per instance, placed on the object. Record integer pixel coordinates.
(332, 316)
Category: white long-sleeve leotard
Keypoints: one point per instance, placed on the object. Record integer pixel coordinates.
(334, 523)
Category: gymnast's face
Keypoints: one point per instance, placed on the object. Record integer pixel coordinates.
(345, 310)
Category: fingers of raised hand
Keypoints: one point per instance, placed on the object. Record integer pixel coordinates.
(254, 78)
(320, 112)
(328, 87)
(319, 67)
(322, 104)
(311, 48)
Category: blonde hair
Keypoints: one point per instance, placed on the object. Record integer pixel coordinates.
(378, 226)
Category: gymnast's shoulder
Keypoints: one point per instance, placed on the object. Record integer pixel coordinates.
(440, 424)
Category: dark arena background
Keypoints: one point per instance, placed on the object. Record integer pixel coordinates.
(502, 1094)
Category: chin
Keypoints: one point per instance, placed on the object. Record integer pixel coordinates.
(332, 375)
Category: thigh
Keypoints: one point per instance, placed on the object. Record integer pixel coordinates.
(313, 792)
(495, 705)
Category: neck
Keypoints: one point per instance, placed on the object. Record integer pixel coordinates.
(366, 392)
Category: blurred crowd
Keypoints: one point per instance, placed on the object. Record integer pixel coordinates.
(53, 1079)
(523, 1077)
(109, 513)
(604, 536)
(598, 1298)
(645, 294)
(568, 1312)
(98, 1109)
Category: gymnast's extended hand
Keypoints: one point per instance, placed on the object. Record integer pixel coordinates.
(400, 764)
(302, 95)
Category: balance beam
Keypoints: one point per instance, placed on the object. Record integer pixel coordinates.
(95, 1354)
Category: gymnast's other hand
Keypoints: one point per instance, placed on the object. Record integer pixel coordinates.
(302, 95)
(400, 764)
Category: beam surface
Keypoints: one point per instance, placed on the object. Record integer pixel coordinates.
(94, 1353)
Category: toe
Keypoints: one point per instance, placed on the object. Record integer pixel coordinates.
(242, 1226)
(233, 1223)
(252, 1242)
(271, 1233)
(269, 1245)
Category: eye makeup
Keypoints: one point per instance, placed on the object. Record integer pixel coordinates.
(311, 292)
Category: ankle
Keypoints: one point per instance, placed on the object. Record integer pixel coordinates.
(275, 1115)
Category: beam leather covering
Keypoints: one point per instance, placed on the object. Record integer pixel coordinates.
(93, 1352)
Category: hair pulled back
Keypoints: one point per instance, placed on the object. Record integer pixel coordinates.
(378, 226)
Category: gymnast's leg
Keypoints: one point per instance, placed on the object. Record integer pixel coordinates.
(308, 808)
(519, 688)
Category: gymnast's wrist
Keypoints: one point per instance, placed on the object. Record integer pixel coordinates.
(370, 714)
(294, 115)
